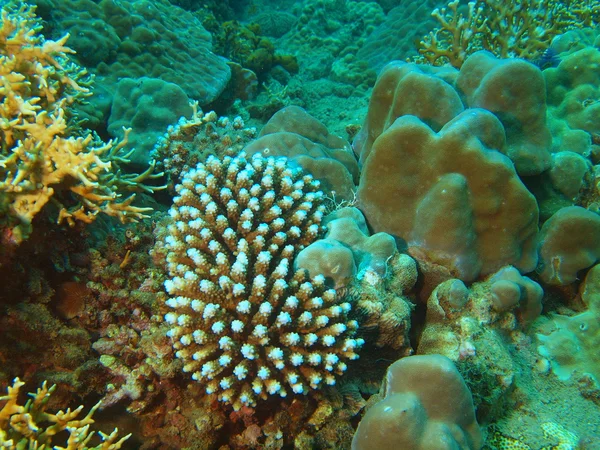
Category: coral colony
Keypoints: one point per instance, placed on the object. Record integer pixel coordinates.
(245, 322)
(310, 224)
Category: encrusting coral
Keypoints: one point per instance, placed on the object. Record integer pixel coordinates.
(24, 427)
(40, 161)
(245, 324)
(522, 29)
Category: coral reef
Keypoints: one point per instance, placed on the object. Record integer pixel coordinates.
(244, 322)
(40, 162)
(192, 141)
(23, 426)
(293, 133)
(523, 29)
(112, 39)
(461, 225)
(426, 405)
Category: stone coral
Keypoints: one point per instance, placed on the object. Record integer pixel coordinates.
(574, 100)
(39, 162)
(521, 29)
(568, 244)
(244, 323)
(295, 134)
(137, 38)
(427, 406)
(20, 426)
(192, 140)
(440, 204)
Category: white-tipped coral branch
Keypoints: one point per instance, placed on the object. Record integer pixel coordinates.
(244, 322)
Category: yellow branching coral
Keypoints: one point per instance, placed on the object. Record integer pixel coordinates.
(522, 28)
(39, 161)
(31, 427)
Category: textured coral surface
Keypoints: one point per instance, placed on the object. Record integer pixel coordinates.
(410, 188)
(245, 323)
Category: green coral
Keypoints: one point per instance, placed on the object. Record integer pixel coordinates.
(244, 45)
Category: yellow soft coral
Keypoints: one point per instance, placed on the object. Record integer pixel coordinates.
(40, 162)
(523, 28)
(29, 426)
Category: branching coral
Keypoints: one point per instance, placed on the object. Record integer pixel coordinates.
(192, 140)
(523, 28)
(31, 427)
(244, 322)
(40, 162)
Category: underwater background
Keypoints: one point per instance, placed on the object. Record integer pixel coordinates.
(317, 224)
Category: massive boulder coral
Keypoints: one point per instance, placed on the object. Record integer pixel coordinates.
(293, 133)
(147, 106)
(438, 94)
(40, 162)
(573, 100)
(568, 244)
(408, 89)
(245, 324)
(427, 406)
(138, 38)
(515, 92)
(453, 196)
(347, 250)
(568, 182)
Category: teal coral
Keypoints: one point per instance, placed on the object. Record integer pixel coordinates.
(574, 100)
(139, 38)
(147, 106)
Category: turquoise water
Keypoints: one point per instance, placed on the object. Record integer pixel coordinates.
(318, 225)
